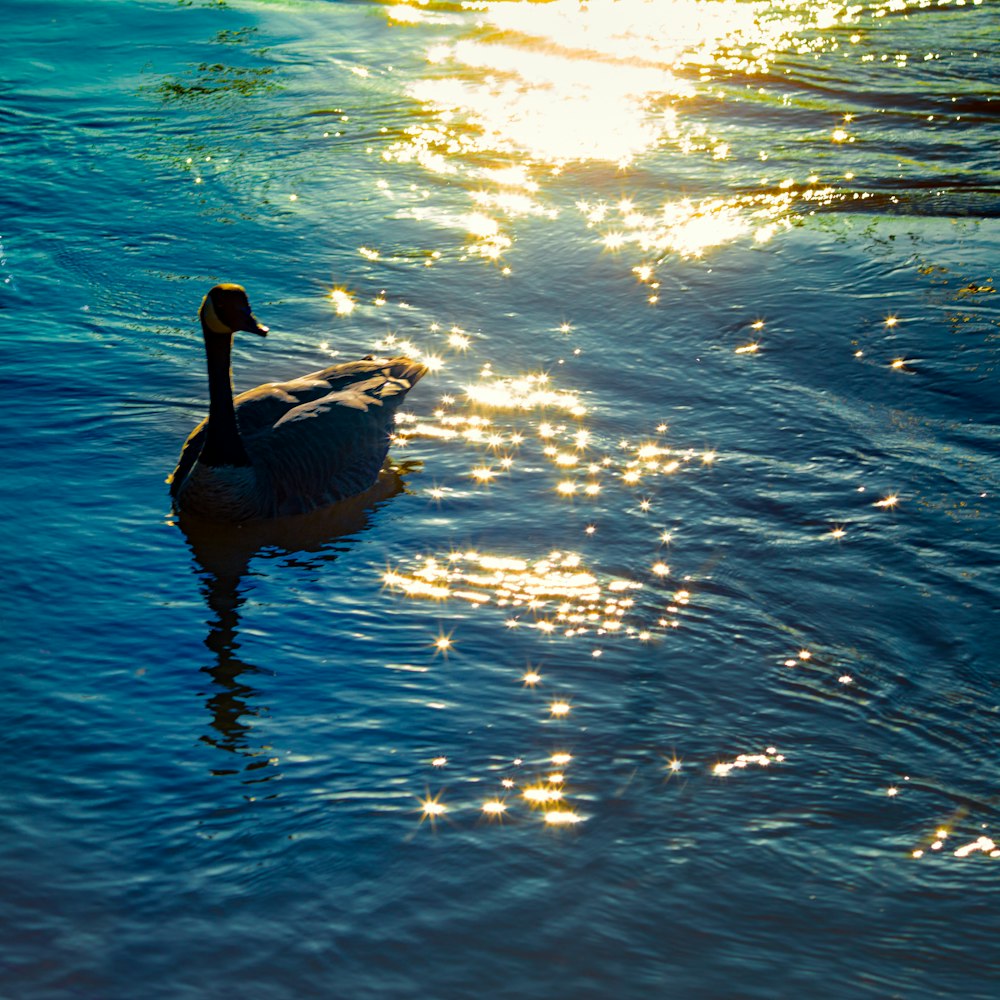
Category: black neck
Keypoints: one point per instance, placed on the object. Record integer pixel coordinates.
(223, 445)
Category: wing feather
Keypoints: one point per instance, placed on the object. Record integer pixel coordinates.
(320, 438)
(189, 455)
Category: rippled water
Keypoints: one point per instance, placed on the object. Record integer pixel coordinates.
(666, 665)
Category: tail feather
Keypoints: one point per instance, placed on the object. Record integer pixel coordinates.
(407, 369)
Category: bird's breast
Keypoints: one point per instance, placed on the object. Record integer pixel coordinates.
(223, 493)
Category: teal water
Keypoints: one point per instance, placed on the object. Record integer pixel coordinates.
(667, 666)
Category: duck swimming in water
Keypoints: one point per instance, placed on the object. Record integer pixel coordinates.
(284, 447)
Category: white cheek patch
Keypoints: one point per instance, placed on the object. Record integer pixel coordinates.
(210, 318)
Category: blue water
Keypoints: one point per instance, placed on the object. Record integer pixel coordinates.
(667, 665)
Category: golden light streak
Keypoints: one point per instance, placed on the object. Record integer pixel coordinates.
(562, 817)
(744, 760)
(984, 844)
(524, 393)
(563, 595)
(342, 302)
(540, 794)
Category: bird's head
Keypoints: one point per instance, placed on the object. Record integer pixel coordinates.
(226, 309)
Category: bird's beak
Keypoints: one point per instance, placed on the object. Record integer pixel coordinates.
(250, 325)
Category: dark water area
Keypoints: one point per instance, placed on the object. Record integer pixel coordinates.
(664, 662)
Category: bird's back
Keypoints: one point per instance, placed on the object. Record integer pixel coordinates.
(318, 439)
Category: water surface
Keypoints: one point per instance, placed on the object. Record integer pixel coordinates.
(665, 665)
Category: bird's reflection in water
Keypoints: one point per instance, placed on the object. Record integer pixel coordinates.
(224, 552)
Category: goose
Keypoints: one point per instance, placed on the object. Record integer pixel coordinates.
(285, 447)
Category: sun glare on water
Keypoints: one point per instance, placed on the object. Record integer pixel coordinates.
(514, 105)
(538, 86)
(542, 71)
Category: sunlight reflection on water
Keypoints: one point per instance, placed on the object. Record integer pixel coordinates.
(684, 584)
(545, 86)
(559, 592)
